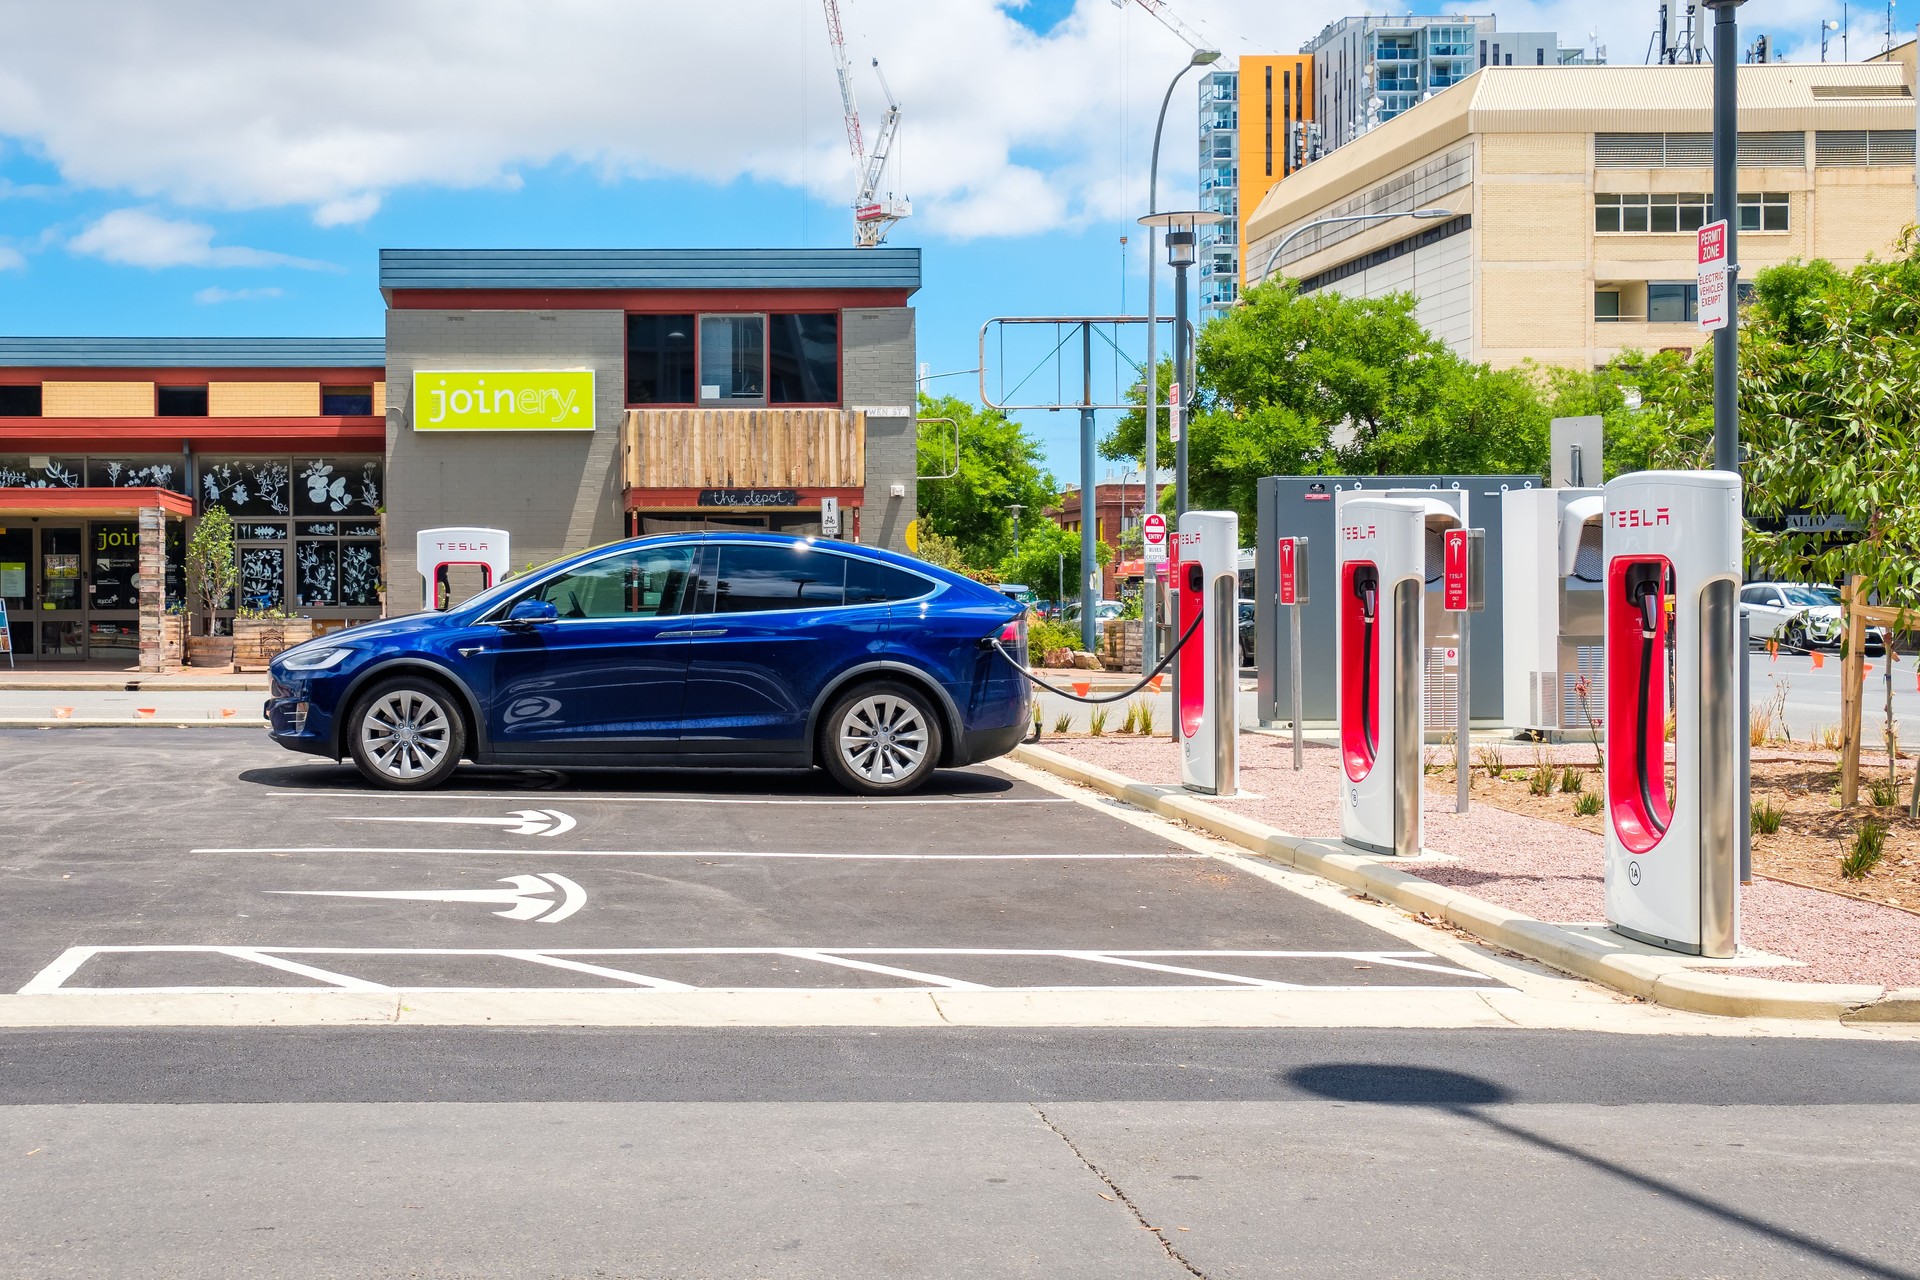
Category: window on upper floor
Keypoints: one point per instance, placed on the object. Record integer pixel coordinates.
(180, 402)
(734, 359)
(20, 401)
(1674, 213)
(346, 402)
(803, 358)
(1672, 302)
(660, 359)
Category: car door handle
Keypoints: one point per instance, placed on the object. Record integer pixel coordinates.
(693, 635)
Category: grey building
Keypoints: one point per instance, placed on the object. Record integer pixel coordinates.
(647, 391)
(1367, 70)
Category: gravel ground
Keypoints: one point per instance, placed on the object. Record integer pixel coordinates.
(1549, 871)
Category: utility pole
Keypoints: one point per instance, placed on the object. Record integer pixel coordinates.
(1089, 505)
(1726, 204)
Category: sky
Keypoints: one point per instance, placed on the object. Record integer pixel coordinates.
(220, 167)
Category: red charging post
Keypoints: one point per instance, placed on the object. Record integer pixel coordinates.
(1293, 594)
(1463, 591)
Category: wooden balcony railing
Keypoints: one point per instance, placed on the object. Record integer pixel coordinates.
(744, 448)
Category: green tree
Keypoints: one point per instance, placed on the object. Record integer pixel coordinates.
(1650, 406)
(211, 568)
(999, 466)
(1048, 560)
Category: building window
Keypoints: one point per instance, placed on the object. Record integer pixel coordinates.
(346, 402)
(180, 402)
(336, 562)
(1672, 302)
(733, 360)
(20, 401)
(660, 359)
(1606, 304)
(1675, 213)
(1765, 212)
(804, 358)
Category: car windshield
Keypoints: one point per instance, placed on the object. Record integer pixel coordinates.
(1804, 597)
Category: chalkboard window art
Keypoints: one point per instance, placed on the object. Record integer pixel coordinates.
(335, 486)
(246, 486)
(58, 473)
(359, 573)
(132, 473)
(263, 572)
(316, 571)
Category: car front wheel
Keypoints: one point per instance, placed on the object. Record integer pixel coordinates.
(406, 734)
(880, 739)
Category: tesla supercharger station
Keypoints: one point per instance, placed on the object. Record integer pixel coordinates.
(1551, 562)
(1671, 541)
(1379, 636)
(436, 550)
(1206, 674)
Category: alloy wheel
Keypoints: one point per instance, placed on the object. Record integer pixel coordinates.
(405, 733)
(883, 738)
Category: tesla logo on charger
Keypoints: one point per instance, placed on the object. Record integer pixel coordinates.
(463, 546)
(1358, 533)
(1642, 518)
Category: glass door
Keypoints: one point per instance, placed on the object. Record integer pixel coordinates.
(59, 606)
(113, 590)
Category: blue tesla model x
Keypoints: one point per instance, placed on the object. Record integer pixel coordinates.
(727, 650)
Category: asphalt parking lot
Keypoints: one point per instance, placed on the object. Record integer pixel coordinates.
(212, 861)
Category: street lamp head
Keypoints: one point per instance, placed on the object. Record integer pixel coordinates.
(1204, 57)
(1431, 213)
(1179, 248)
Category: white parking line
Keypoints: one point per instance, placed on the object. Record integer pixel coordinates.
(334, 797)
(721, 854)
(52, 980)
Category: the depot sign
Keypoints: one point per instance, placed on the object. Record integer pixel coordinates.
(503, 400)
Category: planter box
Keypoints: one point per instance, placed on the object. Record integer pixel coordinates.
(257, 640)
(210, 652)
(173, 639)
(1120, 644)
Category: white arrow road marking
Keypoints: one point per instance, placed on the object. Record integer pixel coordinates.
(527, 899)
(523, 822)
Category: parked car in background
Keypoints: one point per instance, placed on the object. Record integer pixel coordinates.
(1103, 610)
(1247, 614)
(1800, 616)
(719, 650)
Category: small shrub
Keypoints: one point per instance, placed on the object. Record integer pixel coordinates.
(1489, 759)
(1760, 727)
(1863, 854)
(1829, 736)
(1885, 792)
(1097, 721)
(1586, 804)
(1765, 818)
(1063, 722)
(1131, 719)
(1540, 782)
(1045, 637)
(1572, 781)
(1144, 722)
(1673, 722)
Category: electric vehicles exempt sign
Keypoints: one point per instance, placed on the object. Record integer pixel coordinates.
(733, 650)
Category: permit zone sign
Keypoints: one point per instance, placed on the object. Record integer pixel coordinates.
(503, 400)
(1712, 278)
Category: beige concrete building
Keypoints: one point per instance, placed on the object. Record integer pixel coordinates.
(1574, 193)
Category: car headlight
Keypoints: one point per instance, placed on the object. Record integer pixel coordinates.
(314, 659)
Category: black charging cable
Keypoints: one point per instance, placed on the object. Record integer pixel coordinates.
(1145, 680)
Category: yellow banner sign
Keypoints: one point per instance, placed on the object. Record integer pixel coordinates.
(503, 400)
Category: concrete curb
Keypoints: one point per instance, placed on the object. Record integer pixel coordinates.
(1615, 962)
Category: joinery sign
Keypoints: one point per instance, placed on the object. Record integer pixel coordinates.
(503, 400)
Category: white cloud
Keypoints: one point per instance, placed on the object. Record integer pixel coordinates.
(224, 105)
(214, 294)
(140, 238)
(12, 259)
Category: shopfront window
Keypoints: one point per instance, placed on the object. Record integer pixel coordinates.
(804, 358)
(336, 562)
(114, 565)
(337, 486)
(247, 486)
(733, 360)
(40, 472)
(660, 359)
(162, 472)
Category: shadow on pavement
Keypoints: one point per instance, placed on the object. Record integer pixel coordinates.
(683, 782)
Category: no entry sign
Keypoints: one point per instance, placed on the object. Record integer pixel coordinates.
(1153, 536)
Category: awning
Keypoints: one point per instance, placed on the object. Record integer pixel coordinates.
(101, 503)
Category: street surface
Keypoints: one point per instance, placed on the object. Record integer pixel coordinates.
(1165, 1060)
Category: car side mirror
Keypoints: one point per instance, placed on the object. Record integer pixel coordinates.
(528, 613)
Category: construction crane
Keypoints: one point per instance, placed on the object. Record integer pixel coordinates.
(873, 215)
(1159, 9)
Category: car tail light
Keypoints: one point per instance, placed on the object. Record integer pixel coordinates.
(1010, 634)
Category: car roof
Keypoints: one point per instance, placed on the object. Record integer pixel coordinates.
(912, 564)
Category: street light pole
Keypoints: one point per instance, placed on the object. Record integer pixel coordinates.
(1016, 508)
(1180, 246)
(1289, 238)
(1726, 204)
(1149, 608)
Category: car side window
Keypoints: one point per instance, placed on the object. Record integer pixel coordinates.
(756, 579)
(649, 582)
(1754, 595)
(870, 582)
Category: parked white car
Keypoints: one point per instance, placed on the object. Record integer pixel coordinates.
(1798, 616)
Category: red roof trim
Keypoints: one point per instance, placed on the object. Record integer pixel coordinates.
(246, 434)
(129, 500)
(654, 300)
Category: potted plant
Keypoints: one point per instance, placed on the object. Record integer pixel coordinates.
(259, 634)
(212, 573)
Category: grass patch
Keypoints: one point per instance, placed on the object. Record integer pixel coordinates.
(1586, 804)
(1572, 781)
(1540, 782)
(1765, 818)
(1884, 792)
(1864, 852)
(1063, 722)
(1097, 722)
(1489, 759)
(1143, 722)
(1130, 722)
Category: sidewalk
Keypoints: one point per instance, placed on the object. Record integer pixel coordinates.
(47, 707)
(1530, 885)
